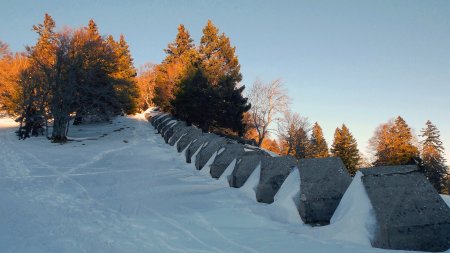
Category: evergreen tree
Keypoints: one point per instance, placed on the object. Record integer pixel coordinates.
(433, 161)
(125, 77)
(181, 55)
(218, 57)
(318, 147)
(345, 147)
(393, 144)
(301, 143)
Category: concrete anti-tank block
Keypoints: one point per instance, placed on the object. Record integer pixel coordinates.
(214, 144)
(274, 170)
(191, 135)
(197, 144)
(231, 151)
(175, 128)
(178, 134)
(245, 165)
(410, 214)
(323, 182)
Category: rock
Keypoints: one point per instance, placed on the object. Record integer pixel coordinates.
(245, 165)
(197, 144)
(274, 170)
(214, 144)
(176, 127)
(323, 182)
(231, 151)
(410, 214)
(189, 137)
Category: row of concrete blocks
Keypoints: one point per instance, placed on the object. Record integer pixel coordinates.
(410, 214)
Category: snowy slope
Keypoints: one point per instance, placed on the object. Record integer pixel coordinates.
(120, 188)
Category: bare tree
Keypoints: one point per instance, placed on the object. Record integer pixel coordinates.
(146, 83)
(293, 132)
(268, 100)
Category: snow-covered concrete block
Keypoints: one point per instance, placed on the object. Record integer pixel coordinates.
(197, 144)
(160, 119)
(164, 123)
(192, 134)
(223, 159)
(168, 126)
(323, 182)
(245, 165)
(154, 118)
(177, 134)
(410, 214)
(214, 143)
(274, 170)
(170, 132)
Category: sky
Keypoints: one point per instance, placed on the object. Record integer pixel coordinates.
(355, 62)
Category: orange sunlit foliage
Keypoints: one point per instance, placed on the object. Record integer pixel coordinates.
(11, 67)
(146, 85)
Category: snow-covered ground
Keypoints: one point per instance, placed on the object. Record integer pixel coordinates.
(120, 188)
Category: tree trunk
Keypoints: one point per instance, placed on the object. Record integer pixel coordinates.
(59, 133)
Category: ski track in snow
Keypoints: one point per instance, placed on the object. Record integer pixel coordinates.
(131, 192)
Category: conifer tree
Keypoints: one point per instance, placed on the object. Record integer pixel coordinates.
(318, 146)
(433, 161)
(181, 55)
(345, 147)
(393, 144)
(125, 77)
(218, 57)
(301, 143)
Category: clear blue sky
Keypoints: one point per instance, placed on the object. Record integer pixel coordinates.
(354, 62)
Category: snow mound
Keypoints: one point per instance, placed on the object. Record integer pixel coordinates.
(249, 188)
(285, 206)
(354, 219)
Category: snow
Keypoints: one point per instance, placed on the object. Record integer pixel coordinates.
(128, 191)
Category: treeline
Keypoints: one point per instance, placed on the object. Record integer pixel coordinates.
(74, 73)
(79, 74)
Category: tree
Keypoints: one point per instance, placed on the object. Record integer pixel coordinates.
(181, 55)
(433, 161)
(222, 106)
(293, 131)
(267, 100)
(318, 146)
(125, 83)
(146, 84)
(345, 146)
(392, 144)
(218, 59)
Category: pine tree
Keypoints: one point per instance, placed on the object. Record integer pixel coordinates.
(393, 144)
(301, 143)
(125, 77)
(433, 161)
(345, 147)
(218, 58)
(181, 55)
(318, 147)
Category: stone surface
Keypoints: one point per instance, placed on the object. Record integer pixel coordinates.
(177, 134)
(176, 127)
(231, 151)
(166, 125)
(160, 119)
(154, 118)
(274, 170)
(245, 165)
(410, 214)
(323, 182)
(189, 137)
(214, 144)
(163, 123)
(197, 144)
